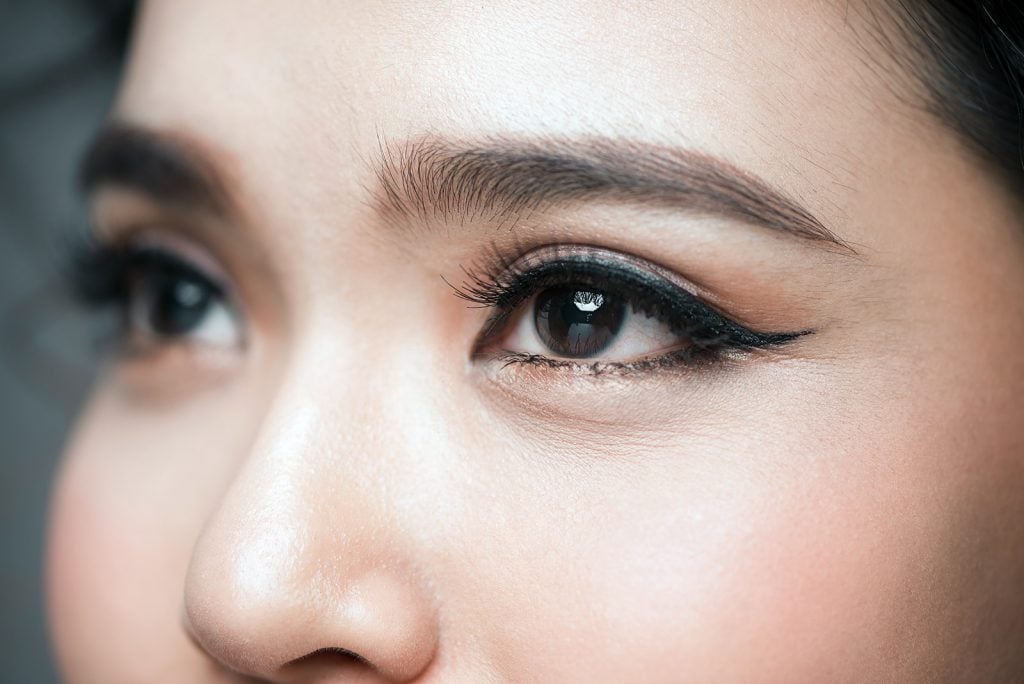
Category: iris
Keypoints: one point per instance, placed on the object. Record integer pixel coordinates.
(577, 322)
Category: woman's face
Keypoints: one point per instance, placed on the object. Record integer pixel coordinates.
(731, 392)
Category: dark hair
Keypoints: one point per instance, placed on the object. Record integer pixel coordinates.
(969, 57)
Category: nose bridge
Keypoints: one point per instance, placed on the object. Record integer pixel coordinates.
(303, 558)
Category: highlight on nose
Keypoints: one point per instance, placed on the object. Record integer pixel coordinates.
(270, 604)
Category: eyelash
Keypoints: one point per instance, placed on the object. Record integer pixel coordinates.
(505, 284)
(103, 276)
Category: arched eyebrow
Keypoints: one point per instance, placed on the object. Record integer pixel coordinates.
(435, 178)
(440, 179)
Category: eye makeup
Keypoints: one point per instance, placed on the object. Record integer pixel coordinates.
(582, 307)
(703, 334)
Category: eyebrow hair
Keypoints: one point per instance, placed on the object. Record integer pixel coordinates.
(168, 167)
(435, 178)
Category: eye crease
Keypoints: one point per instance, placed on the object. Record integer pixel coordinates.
(582, 307)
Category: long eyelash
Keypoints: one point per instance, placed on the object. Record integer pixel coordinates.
(96, 273)
(504, 283)
(492, 280)
(103, 277)
(99, 274)
(96, 278)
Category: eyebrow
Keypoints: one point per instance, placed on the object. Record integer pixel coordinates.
(436, 178)
(502, 178)
(170, 168)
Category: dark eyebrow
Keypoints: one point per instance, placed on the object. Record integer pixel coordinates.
(170, 168)
(502, 178)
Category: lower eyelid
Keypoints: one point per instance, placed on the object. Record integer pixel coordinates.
(672, 362)
(685, 362)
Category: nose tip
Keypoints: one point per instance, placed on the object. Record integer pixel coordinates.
(375, 622)
(275, 605)
(306, 570)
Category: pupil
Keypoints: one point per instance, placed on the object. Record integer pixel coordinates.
(577, 322)
(178, 307)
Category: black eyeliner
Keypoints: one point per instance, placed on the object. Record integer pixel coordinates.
(709, 332)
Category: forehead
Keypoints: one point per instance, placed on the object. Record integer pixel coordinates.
(783, 89)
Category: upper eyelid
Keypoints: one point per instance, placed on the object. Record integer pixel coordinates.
(168, 259)
(639, 288)
(584, 270)
(492, 291)
(499, 273)
(489, 289)
(110, 265)
(187, 252)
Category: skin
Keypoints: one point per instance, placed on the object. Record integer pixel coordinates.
(354, 481)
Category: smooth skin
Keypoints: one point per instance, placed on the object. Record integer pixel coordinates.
(352, 495)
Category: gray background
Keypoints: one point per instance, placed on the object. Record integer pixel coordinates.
(59, 61)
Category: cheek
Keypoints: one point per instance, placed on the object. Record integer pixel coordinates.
(866, 544)
(804, 558)
(130, 501)
(114, 584)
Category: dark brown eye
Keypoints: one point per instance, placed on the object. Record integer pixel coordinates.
(167, 300)
(578, 321)
(178, 305)
(609, 310)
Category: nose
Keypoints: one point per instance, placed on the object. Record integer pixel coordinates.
(301, 573)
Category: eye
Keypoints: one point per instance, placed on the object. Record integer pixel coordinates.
(567, 305)
(580, 321)
(162, 298)
(168, 300)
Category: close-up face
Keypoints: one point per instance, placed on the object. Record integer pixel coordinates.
(548, 341)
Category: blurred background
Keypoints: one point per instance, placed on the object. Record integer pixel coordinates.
(59, 64)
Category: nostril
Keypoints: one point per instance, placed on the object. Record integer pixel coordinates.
(331, 664)
(339, 656)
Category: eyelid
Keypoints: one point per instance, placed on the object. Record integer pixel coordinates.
(170, 259)
(497, 270)
(646, 293)
(114, 273)
(186, 252)
(651, 288)
(499, 283)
